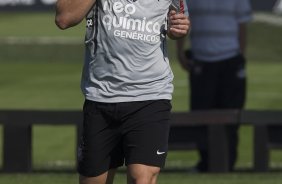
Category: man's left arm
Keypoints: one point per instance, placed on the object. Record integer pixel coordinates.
(243, 37)
(179, 25)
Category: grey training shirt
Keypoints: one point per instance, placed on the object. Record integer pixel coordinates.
(126, 57)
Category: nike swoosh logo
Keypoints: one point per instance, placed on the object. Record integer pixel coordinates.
(160, 152)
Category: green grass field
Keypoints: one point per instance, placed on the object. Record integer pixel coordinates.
(46, 76)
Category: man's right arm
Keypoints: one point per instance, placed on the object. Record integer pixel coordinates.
(71, 12)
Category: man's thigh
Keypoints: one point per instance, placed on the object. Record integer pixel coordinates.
(204, 83)
(100, 149)
(146, 132)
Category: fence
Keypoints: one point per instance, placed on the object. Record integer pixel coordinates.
(17, 149)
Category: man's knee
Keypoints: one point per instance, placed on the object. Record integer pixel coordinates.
(142, 174)
(105, 178)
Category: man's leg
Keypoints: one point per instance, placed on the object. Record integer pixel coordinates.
(145, 141)
(105, 178)
(232, 96)
(142, 174)
(203, 90)
(100, 150)
(233, 141)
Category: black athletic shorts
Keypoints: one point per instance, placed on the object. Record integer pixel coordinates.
(127, 132)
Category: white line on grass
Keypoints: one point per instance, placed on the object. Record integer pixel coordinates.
(45, 40)
(61, 163)
(266, 94)
(268, 18)
(48, 40)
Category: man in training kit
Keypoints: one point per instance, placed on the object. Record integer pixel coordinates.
(127, 83)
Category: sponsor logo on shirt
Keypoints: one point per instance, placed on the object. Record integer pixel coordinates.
(89, 22)
(127, 26)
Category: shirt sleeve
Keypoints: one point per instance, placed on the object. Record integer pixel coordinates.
(243, 11)
(186, 11)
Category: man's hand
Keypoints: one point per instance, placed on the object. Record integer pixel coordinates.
(179, 25)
